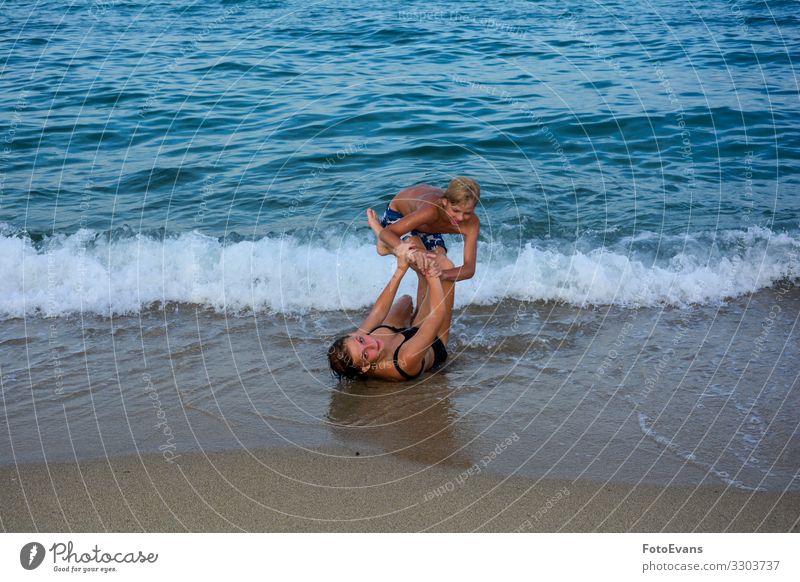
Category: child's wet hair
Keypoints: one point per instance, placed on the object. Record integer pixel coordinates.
(462, 189)
(340, 361)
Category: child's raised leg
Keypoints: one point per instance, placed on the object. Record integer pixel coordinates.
(375, 225)
(400, 313)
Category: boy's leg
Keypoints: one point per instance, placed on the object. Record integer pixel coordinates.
(375, 225)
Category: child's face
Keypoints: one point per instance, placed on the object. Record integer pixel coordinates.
(458, 213)
(364, 349)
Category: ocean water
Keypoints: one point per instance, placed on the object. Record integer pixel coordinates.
(182, 198)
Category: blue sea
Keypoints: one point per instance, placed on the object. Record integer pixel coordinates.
(182, 198)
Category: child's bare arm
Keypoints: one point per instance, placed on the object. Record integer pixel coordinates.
(384, 301)
(467, 270)
(412, 353)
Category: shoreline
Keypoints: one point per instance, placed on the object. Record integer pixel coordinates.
(637, 396)
(289, 490)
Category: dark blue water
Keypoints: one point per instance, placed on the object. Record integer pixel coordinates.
(651, 140)
(137, 104)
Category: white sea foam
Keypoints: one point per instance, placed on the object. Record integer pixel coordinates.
(89, 273)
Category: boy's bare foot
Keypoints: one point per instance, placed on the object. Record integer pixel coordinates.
(374, 223)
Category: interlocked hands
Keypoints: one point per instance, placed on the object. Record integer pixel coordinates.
(422, 262)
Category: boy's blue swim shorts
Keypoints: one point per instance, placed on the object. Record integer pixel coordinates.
(431, 241)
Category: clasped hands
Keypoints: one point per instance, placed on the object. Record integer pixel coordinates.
(424, 263)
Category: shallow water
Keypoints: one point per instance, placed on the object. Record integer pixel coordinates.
(674, 395)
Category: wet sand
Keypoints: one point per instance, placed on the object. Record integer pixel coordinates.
(703, 396)
(288, 490)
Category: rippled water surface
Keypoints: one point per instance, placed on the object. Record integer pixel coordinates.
(575, 117)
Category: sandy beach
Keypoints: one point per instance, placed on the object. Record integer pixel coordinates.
(283, 490)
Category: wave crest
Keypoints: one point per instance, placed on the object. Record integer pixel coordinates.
(86, 272)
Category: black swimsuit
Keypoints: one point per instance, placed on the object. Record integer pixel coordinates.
(439, 350)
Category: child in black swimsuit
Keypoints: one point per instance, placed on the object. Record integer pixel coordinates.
(439, 351)
(388, 345)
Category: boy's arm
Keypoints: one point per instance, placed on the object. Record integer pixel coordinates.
(467, 270)
(384, 301)
(390, 235)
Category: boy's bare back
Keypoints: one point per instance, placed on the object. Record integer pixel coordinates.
(414, 197)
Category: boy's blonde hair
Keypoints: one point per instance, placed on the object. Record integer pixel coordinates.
(462, 189)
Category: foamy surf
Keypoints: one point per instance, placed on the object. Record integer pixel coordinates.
(106, 275)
